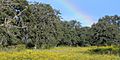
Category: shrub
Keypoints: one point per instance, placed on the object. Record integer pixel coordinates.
(106, 50)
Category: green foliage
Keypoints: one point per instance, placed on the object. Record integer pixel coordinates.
(70, 32)
(38, 25)
(41, 21)
(106, 31)
(106, 50)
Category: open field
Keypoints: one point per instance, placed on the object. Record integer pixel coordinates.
(57, 53)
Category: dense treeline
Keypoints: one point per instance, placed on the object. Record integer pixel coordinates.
(38, 25)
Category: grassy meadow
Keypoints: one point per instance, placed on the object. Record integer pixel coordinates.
(57, 53)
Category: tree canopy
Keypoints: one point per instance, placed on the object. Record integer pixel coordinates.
(38, 25)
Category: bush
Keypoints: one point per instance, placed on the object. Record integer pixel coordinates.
(106, 50)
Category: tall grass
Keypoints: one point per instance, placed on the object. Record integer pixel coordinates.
(57, 53)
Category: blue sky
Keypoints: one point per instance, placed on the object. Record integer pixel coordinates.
(85, 11)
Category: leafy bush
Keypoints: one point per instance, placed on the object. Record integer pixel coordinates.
(106, 50)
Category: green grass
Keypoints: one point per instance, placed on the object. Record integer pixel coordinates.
(57, 53)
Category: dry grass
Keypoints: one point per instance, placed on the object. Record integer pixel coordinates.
(57, 53)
